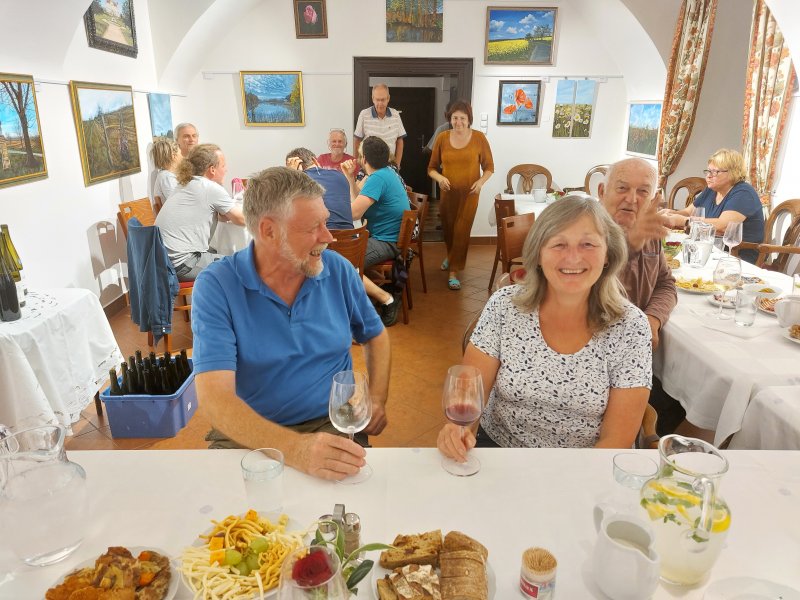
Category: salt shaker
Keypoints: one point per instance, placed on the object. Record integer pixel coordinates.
(352, 533)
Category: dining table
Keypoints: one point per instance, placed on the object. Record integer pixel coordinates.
(228, 237)
(772, 420)
(54, 359)
(715, 368)
(520, 498)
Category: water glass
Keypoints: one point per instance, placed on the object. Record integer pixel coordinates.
(745, 308)
(262, 471)
(631, 471)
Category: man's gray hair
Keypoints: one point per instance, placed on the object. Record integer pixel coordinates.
(305, 155)
(271, 193)
(612, 170)
(380, 86)
(180, 126)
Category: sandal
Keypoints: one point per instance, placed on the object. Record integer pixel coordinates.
(445, 265)
(453, 283)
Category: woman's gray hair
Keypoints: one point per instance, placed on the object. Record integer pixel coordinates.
(271, 193)
(607, 296)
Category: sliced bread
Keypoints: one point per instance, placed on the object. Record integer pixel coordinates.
(463, 588)
(418, 549)
(455, 540)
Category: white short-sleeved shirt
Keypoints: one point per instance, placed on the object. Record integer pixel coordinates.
(188, 220)
(544, 399)
(388, 128)
(165, 184)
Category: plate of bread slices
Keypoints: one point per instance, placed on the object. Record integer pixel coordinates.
(427, 566)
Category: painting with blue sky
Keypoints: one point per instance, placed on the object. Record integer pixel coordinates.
(21, 149)
(160, 116)
(521, 36)
(272, 98)
(574, 108)
(518, 102)
(644, 120)
(106, 128)
(110, 26)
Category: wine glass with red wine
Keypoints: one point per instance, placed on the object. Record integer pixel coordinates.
(462, 400)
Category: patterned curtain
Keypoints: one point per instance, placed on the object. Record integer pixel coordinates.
(687, 66)
(770, 80)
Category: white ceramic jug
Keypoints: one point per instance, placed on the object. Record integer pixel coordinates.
(787, 310)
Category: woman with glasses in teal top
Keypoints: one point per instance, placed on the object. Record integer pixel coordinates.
(727, 199)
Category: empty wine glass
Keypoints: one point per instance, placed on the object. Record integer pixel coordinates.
(462, 400)
(350, 411)
(727, 275)
(733, 235)
(698, 214)
(313, 572)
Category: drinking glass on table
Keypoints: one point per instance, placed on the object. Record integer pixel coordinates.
(727, 275)
(350, 410)
(462, 400)
(698, 214)
(733, 235)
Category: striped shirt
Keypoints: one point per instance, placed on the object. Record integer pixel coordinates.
(388, 129)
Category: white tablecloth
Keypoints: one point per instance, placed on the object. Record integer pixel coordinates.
(228, 237)
(54, 359)
(772, 420)
(714, 374)
(520, 498)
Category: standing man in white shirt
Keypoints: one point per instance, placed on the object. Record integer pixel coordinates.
(381, 121)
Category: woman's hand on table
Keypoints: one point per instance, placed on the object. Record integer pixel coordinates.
(452, 445)
(328, 456)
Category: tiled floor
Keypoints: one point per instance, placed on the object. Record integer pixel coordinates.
(422, 351)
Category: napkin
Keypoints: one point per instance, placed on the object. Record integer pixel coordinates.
(728, 326)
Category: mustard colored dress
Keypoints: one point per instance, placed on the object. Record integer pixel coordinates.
(457, 208)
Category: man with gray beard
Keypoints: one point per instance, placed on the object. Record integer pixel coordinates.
(272, 325)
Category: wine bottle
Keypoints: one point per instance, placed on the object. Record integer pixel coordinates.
(112, 377)
(175, 378)
(186, 365)
(166, 388)
(19, 278)
(148, 382)
(126, 383)
(9, 301)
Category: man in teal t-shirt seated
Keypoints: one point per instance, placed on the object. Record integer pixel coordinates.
(272, 325)
(381, 200)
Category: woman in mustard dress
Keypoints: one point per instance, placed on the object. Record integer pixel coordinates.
(465, 159)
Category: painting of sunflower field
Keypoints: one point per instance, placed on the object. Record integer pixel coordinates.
(574, 107)
(518, 102)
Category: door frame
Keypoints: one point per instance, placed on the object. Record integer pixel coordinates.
(365, 67)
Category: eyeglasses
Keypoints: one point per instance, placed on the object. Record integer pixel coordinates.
(712, 172)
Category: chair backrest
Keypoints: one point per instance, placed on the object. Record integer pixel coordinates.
(352, 244)
(778, 228)
(421, 202)
(158, 204)
(515, 229)
(141, 209)
(406, 231)
(590, 188)
(527, 172)
(692, 185)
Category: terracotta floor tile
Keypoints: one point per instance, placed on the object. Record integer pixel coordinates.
(83, 425)
(92, 440)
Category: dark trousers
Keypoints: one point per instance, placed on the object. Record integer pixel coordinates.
(670, 412)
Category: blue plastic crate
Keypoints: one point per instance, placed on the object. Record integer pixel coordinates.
(148, 416)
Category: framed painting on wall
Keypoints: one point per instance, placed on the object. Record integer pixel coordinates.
(574, 108)
(21, 148)
(310, 19)
(520, 36)
(106, 130)
(413, 21)
(518, 102)
(160, 116)
(644, 121)
(272, 98)
(110, 26)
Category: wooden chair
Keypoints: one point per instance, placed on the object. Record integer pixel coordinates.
(158, 204)
(352, 244)
(141, 209)
(421, 202)
(789, 248)
(502, 209)
(648, 437)
(515, 230)
(692, 185)
(780, 231)
(587, 182)
(527, 172)
(381, 273)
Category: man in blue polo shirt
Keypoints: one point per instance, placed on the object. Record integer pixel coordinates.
(274, 322)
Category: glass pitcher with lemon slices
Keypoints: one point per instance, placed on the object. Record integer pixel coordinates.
(689, 518)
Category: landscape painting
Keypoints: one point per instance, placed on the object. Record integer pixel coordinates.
(110, 26)
(106, 129)
(520, 36)
(310, 20)
(414, 20)
(160, 116)
(574, 108)
(644, 120)
(21, 150)
(518, 102)
(272, 98)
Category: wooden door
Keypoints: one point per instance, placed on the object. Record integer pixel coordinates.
(418, 107)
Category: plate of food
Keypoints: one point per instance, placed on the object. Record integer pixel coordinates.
(767, 305)
(751, 279)
(717, 298)
(762, 290)
(240, 555)
(697, 285)
(430, 566)
(793, 334)
(141, 572)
